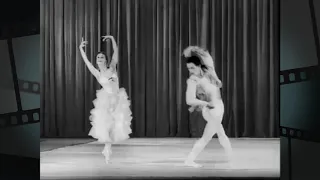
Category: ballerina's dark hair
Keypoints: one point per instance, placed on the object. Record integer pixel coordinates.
(196, 61)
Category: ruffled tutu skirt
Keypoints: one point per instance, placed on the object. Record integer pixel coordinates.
(111, 116)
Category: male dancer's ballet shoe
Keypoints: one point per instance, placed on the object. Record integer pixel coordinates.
(192, 164)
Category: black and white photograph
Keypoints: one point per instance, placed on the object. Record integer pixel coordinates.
(159, 89)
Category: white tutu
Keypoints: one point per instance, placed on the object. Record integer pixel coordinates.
(111, 116)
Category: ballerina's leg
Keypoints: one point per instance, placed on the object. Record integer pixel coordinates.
(107, 152)
(107, 148)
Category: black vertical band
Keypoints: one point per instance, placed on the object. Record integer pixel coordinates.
(14, 75)
(315, 29)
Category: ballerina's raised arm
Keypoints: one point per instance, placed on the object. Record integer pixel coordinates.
(115, 56)
(91, 68)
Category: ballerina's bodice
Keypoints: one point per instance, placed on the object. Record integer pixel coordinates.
(109, 82)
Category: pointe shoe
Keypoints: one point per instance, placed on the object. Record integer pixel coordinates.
(106, 157)
(107, 160)
(192, 164)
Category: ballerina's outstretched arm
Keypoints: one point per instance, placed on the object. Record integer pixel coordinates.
(91, 68)
(215, 76)
(115, 56)
(194, 49)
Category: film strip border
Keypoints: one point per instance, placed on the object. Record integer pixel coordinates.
(29, 86)
(19, 118)
(299, 134)
(297, 75)
(294, 76)
(293, 133)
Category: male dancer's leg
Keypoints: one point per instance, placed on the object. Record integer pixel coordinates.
(224, 140)
(210, 129)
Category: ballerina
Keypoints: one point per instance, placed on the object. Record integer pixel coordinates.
(111, 116)
(202, 75)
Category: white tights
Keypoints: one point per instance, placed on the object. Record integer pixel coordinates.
(210, 130)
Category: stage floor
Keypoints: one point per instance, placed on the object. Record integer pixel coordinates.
(143, 158)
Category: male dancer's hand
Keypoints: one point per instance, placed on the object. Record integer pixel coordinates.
(210, 106)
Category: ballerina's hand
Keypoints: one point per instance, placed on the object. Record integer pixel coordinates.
(83, 43)
(194, 49)
(106, 37)
(198, 50)
(187, 51)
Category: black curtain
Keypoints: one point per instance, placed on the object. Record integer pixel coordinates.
(242, 35)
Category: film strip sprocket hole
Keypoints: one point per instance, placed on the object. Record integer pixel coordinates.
(29, 87)
(299, 134)
(20, 118)
(297, 75)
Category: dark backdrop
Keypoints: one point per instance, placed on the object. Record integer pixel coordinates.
(243, 35)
